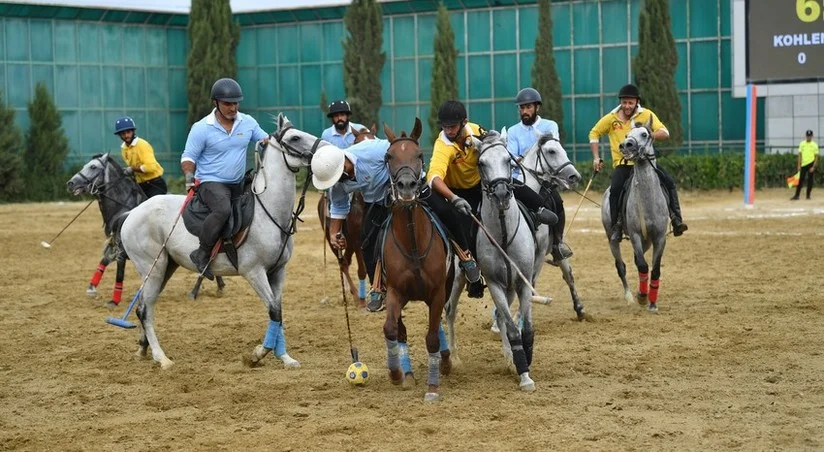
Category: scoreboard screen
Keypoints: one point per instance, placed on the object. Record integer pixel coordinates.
(785, 40)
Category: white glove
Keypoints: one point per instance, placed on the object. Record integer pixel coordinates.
(462, 205)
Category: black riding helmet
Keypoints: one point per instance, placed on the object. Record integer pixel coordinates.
(629, 91)
(528, 96)
(339, 106)
(227, 90)
(451, 112)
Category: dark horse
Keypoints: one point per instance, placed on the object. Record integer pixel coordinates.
(117, 194)
(351, 230)
(417, 264)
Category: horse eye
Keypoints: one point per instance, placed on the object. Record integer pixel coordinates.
(644, 135)
(294, 138)
(551, 151)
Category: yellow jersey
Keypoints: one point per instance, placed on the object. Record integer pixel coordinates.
(457, 167)
(808, 150)
(617, 130)
(141, 154)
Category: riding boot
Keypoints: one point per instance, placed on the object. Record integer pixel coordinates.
(546, 216)
(678, 225)
(616, 234)
(200, 258)
(475, 288)
(560, 251)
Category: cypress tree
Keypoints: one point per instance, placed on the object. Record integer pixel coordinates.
(213, 38)
(11, 148)
(444, 85)
(654, 67)
(544, 73)
(46, 147)
(363, 59)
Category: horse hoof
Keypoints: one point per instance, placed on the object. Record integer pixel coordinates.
(166, 363)
(409, 381)
(527, 385)
(250, 362)
(494, 328)
(219, 293)
(289, 362)
(91, 291)
(431, 397)
(446, 366)
(585, 317)
(396, 376)
(653, 307)
(642, 298)
(141, 353)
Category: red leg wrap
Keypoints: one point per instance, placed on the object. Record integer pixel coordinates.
(643, 283)
(653, 290)
(98, 275)
(118, 292)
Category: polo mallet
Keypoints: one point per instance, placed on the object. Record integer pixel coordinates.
(535, 297)
(352, 350)
(583, 197)
(48, 244)
(122, 322)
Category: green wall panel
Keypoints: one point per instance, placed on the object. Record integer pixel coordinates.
(404, 118)
(704, 126)
(480, 71)
(246, 53)
(506, 114)
(157, 88)
(704, 64)
(310, 81)
(403, 36)
(505, 82)
(528, 27)
(158, 125)
(587, 113)
(386, 36)
(113, 45)
(681, 69)
(177, 47)
(43, 73)
(563, 64)
(155, 48)
(457, 21)
(71, 126)
(561, 23)
(616, 68)
(65, 42)
(703, 18)
(726, 64)
(477, 22)
(426, 34)
(17, 40)
(134, 40)
(179, 131)
(480, 113)
(585, 23)
(634, 12)
(289, 84)
(42, 42)
(460, 71)
(247, 77)
(313, 121)
(504, 30)
(2, 40)
(265, 45)
(733, 110)
(404, 78)
(90, 81)
(178, 98)
(332, 37)
(678, 15)
(726, 18)
(614, 22)
(587, 71)
(386, 84)
(267, 86)
(288, 53)
(19, 82)
(333, 81)
(91, 132)
(425, 79)
(135, 83)
(67, 93)
(88, 39)
(312, 33)
(526, 59)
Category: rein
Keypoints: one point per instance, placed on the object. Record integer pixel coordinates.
(544, 167)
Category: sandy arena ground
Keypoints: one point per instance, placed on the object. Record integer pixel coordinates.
(733, 360)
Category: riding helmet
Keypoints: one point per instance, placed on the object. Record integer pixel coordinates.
(528, 96)
(339, 106)
(227, 90)
(629, 91)
(451, 112)
(327, 166)
(123, 124)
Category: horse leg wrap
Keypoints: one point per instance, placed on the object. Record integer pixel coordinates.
(406, 361)
(98, 275)
(362, 288)
(643, 283)
(528, 338)
(274, 338)
(519, 356)
(442, 338)
(118, 292)
(435, 369)
(393, 361)
(653, 290)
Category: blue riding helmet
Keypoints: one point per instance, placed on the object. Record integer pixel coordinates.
(123, 124)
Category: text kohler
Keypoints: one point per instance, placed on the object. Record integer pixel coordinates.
(798, 39)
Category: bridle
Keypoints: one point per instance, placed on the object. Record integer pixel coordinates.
(403, 169)
(544, 167)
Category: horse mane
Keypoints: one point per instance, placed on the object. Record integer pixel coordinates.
(545, 138)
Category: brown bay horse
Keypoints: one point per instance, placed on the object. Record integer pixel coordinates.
(417, 265)
(351, 230)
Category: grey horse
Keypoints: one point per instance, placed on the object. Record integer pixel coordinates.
(261, 260)
(645, 217)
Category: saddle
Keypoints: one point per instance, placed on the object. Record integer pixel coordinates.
(236, 229)
(622, 200)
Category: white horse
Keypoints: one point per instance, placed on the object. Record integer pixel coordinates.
(261, 260)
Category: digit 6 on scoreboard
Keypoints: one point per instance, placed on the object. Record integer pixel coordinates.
(807, 10)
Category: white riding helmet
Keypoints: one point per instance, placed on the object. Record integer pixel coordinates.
(327, 167)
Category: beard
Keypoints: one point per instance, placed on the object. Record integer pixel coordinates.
(628, 112)
(528, 120)
(341, 125)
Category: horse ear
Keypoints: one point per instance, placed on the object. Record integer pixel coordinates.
(354, 132)
(374, 129)
(648, 124)
(282, 121)
(416, 131)
(503, 133)
(388, 132)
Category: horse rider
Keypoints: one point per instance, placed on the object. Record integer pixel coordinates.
(340, 132)
(519, 139)
(617, 124)
(215, 156)
(360, 168)
(140, 159)
(455, 182)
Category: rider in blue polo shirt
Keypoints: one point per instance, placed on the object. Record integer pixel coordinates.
(340, 132)
(215, 155)
(520, 138)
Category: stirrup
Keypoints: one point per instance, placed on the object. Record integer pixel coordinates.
(201, 260)
(376, 301)
(471, 270)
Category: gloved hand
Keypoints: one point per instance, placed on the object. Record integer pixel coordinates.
(462, 205)
(261, 145)
(190, 180)
(598, 164)
(128, 170)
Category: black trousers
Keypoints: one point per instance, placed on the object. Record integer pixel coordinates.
(374, 214)
(458, 225)
(555, 203)
(218, 197)
(154, 187)
(807, 176)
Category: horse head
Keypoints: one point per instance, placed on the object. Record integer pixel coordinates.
(94, 175)
(555, 162)
(297, 145)
(404, 160)
(638, 143)
(494, 165)
(365, 134)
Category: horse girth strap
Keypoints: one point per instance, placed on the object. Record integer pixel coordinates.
(416, 257)
(410, 227)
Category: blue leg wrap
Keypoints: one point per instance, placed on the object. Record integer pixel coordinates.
(275, 339)
(442, 338)
(406, 361)
(362, 289)
(435, 369)
(392, 351)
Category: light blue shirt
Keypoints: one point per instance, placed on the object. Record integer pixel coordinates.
(371, 177)
(341, 140)
(520, 138)
(220, 156)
